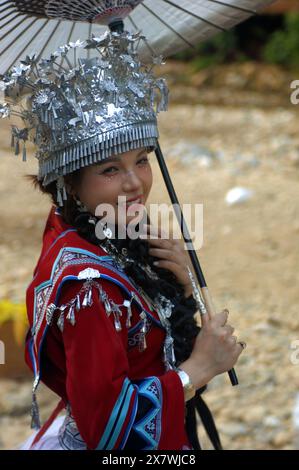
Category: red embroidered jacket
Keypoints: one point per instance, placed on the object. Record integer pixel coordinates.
(120, 397)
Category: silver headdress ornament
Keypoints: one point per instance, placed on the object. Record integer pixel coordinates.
(83, 112)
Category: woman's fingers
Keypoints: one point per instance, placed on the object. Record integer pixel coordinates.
(175, 268)
(169, 254)
(228, 329)
(162, 253)
(158, 237)
(220, 319)
(172, 257)
(155, 232)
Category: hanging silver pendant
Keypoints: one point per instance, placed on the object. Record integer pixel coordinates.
(102, 294)
(173, 358)
(17, 148)
(169, 356)
(117, 323)
(142, 341)
(85, 300)
(35, 419)
(127, 304)
(71, 315)
(78, 303)
(107, 307)
(89, 299)
(24, 158)
(60, 321)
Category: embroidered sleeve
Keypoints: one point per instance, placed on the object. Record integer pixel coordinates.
(111, 410)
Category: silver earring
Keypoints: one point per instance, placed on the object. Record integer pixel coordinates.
(61, 194)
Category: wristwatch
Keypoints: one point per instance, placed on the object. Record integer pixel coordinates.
(189, 389)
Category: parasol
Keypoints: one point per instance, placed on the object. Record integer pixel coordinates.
(41, 26)
(28, 26)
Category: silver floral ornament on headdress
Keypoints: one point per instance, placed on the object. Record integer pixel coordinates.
(80, 111)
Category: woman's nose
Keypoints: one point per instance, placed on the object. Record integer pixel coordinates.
(131, 180)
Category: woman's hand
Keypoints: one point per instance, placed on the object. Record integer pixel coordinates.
(215, 350)
(172, 256)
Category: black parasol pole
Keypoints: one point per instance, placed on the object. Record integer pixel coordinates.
(187, 239)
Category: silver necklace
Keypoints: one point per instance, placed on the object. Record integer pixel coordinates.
(160, 304)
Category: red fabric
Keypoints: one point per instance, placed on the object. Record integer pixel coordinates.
(87, 364)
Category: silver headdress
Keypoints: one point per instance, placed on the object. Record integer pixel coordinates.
(87, 109)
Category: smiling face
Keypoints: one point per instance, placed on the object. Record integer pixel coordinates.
(128, 175)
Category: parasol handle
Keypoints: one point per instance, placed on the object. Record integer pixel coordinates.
(192, 253)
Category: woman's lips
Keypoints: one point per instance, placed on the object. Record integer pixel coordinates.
(135, 201)
(126, 204)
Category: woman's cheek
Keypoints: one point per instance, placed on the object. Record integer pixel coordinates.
(149, 182)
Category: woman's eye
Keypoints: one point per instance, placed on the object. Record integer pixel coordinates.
(110, 170)
(143, 160)
(113, 169)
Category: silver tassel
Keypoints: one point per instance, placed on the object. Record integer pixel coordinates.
(89, 298)
(60, 190)
(173, 354)
(101, 294)
(71, 315)
(60, 321)
(169, 356)
(107, 307)
(127, 304)
(59, 198)
(78, 303)
(142, 341)
(17, 148)
(24, 153)
(35, 419)
(64, 194)
(85, 300)
(117, 323)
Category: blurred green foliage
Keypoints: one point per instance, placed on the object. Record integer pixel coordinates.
(217, 50)
(270, 38)
(283, 45)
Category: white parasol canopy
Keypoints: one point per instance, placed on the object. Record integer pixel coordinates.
(41, 26)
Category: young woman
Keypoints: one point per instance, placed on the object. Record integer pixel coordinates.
(112, 377)
(112, 327)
